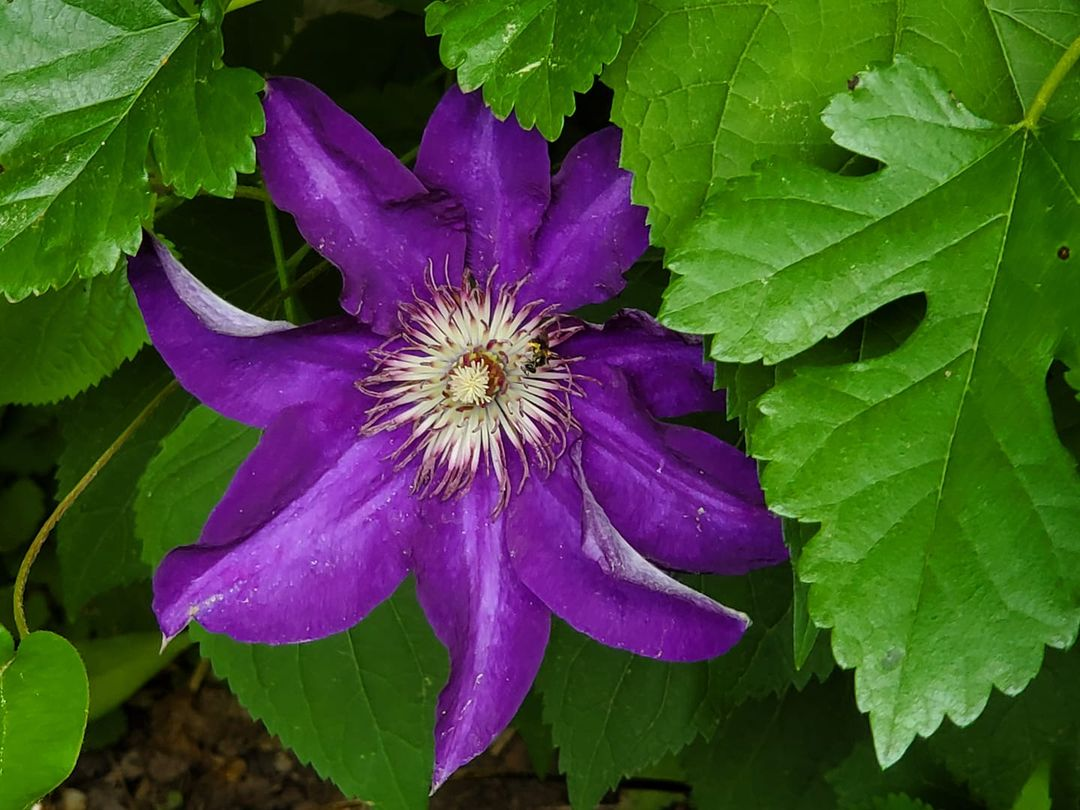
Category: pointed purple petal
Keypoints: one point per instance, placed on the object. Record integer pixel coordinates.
(591, 233)
(667, 369)
(242, 366)
(680, 496)
(499, 172)
(567, 552)
(494, 628)
(322, 551)
(354, 201)
(286, 465)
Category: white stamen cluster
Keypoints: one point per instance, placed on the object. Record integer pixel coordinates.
(474, 376)
(468, 383)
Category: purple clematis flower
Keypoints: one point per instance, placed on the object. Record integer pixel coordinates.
(454, 424)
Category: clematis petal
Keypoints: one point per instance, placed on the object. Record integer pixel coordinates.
(499, 172)
(566, 551)
(668, 371)
(320, 554)
(291, 462)
(680, 496)
(591, 233)
(494, 628)
(354, 201)
(244, 367)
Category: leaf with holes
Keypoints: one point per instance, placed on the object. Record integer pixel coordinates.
(88, 86)
(704, 89)
(530, 57)
(950, 543)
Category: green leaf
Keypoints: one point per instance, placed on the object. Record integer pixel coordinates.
(186, 479)
(704, 89)
(97, 545)
(805, 634)
(23, 506)
(593, 695)
(60, 343)
(763, 663)
(950, 512)
(118, 666)
(536, 733)
(899, 801)
(532, 56)
(106, 731)
(1016, 736)
(859, 780)
(88, 86)
(774, 752)
(359, 706)
(612, 712)
(30, 440)
(43, 699)
(1036, 792)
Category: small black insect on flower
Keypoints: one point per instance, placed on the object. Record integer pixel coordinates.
(541, 354)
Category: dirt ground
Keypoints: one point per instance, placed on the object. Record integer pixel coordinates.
(189, 745)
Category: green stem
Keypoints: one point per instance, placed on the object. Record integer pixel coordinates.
(298, 256)
(283, 272)
(305, 279)
(65, 504)
(410, 156)
(1050, 85)
(251, 193)
(236, 5)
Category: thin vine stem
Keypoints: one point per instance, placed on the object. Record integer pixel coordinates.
(1051, 83)
(284, 273)
(306, 278)
(61, 508)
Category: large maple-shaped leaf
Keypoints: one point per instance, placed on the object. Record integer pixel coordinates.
(949, 552)
(705, 88)
(530, 56)
(88, 86)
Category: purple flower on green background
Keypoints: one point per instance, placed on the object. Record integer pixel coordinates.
(455, 423)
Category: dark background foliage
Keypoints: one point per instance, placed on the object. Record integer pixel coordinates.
(703, 92)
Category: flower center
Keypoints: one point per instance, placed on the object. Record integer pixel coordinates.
(477, 380)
